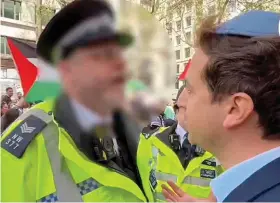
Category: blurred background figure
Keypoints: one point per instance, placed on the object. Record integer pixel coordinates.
(19, 95)
(4, 108)
(8, 118)
(8, 96)
(21, 105)
(169, 112)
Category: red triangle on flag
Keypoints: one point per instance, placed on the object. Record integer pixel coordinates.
(184, 73)
(27, 71)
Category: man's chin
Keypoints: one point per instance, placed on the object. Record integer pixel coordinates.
(191, 139)
(115, 100)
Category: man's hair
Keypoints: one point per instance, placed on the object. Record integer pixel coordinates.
(244, 64)
(8, 88)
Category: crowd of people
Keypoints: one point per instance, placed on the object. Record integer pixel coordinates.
(12, 107)
(219, 142)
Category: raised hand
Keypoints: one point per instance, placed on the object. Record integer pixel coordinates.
(178, 195)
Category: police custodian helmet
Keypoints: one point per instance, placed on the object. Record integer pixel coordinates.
(80, 23)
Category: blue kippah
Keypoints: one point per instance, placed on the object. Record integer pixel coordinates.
(252, 24)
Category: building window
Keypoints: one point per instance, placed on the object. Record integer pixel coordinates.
(169, 27)
(188, 36)
(177, 83)
(187, 52)
(178, 25)
(178, 55)
(232, 5)
(178, 68)
(188, 21)
(146, 3)
(4, 46)
(11, 9)
(189, 7)
(47, 14)
(178, 39)
(212, 10)
(185, 65)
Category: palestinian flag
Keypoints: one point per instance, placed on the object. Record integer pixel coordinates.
(184, 73)
(39, 81)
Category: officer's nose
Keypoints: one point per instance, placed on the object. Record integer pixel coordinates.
(120, 63)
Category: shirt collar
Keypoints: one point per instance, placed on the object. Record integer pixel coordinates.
(181, 132)
(86, 118)
(224, 184)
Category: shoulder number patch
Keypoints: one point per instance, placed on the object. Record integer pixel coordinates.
(19, 139)
(207, 173)
(209, 162)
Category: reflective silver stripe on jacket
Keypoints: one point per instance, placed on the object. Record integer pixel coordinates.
(166, 177)
(66, 189)
(196, 181)
(159, 196)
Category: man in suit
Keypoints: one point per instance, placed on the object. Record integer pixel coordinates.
(232, 106)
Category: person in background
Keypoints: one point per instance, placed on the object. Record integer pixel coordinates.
(169, 112)
(21, 105)
(232, 106)
(19, 95)
(8, 96)
(175, 159)
(4, 108)
(8, 118)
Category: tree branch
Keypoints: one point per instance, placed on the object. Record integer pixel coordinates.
(222, 11)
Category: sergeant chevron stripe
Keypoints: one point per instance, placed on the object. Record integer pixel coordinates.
(25, 129)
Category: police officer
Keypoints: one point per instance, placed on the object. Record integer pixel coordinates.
(173, 158)
(161, 120)
(60, 150)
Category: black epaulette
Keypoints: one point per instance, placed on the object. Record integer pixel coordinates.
(149, 131)
(18, 139)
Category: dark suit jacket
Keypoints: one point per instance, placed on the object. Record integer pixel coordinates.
(262, 186)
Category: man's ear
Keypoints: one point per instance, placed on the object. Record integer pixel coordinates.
(239, 107)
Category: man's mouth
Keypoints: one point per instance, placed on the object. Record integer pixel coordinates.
(119, 80)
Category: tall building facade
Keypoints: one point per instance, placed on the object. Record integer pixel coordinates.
(181, 20)
(18, 20)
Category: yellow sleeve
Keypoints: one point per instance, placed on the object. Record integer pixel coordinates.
(18, 175)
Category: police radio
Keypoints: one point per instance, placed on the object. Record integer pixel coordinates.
(108, 147)
(174, 140)
(97, 150)
(199, 151)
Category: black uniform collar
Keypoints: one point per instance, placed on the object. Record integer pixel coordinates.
(124, 127)
(66, 119)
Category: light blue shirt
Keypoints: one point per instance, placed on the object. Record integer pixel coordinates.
(86, 118)
(224, 184)
(181, 132)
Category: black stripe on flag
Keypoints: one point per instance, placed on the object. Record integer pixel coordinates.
(28, 49)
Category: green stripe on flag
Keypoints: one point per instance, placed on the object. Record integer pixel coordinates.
(43, 90)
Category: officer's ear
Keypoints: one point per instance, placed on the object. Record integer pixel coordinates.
(64, 66)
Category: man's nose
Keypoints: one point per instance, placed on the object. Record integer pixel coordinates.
(182, 98)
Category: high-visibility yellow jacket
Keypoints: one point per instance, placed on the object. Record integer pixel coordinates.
(165, 165)
(40, 162)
